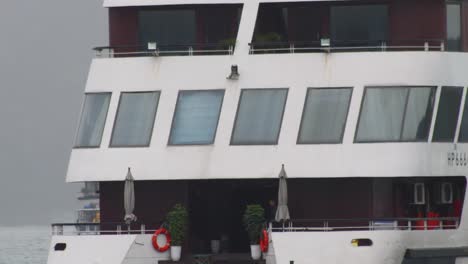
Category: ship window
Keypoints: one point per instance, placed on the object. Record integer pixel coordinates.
(135, 118)
(395, 114)
(354, 25)
(463, 137)
(259, 117)
(93, 119)
(198, 26)
(196, 117)
(453, 26)
(447, 114)
(324, 116)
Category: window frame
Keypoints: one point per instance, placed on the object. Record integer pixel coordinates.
(460, 112)
(153, 119)
(75, 146)
(263, 143)
(429, 136)
(169, 143)
(340, 141)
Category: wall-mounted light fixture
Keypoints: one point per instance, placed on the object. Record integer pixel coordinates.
(234, 73)
(152, 46)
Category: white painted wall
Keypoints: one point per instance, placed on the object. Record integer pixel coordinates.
(104, 249)
(388, 247)
(294, 71)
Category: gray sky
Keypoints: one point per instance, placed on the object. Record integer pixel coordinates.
(45, 52)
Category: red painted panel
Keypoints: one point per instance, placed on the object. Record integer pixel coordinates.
(153, 199)
(411, 20)
(123, 26)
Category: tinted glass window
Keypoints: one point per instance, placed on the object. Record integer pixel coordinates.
(259, 116)
(447, 114)
(177, 28)
(289, 22)
(453, 27)
(463, 137)
(196, 117)
(93, 119)
(359, 24)
(324, 116)
(135, 118)
(395, 114)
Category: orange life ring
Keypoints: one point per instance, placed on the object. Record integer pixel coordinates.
(264, 240)
(154, 239)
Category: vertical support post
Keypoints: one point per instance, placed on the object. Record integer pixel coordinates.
(442, 46)
(426, 46)
(409, 225)
(119, 229)
(143, 229)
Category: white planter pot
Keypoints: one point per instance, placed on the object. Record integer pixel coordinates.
(176, 252)
(215, 246)
(256, 253)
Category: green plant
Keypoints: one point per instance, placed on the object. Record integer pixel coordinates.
(254, 220)
(226, 43)
(177, 219)
(268, 37)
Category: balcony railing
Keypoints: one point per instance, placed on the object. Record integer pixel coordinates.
(110, 228)
(326, 45)
(366, 224)
(164, 50)
(299, 225)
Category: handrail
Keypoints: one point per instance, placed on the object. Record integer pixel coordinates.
(325, 225)
(161, 50)
(261, 47)
(103, 228)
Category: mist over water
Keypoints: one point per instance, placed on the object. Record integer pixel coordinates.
(24, 244)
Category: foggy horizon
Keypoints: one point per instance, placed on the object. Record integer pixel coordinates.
(45, 55)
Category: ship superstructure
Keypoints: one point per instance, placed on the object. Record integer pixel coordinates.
(363, 102)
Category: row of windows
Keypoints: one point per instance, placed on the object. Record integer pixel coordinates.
(306, 24)
(388, 114)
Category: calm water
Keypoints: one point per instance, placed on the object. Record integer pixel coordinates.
(24, 245)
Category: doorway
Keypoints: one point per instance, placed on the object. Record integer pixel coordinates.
(216, 208)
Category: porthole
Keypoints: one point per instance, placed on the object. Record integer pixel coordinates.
(361, 242)
(60, 247)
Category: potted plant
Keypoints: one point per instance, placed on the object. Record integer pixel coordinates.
(177, 220)
(254, 220)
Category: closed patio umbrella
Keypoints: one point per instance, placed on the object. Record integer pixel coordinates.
(282, 212)
(129, 198)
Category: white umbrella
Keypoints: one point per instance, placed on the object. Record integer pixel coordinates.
(282, 213)
(129, 198)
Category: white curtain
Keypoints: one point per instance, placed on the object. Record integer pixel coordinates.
(418, 114)
(382, 114)
(196, 117)
(93, 120)
(259, 116)
(135, 119)
(324, 115)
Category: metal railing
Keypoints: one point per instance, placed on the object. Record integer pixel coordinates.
(164, 50)
(366, 224)
(110, 228)
(320, 46)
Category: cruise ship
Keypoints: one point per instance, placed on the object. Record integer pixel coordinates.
(204, 103)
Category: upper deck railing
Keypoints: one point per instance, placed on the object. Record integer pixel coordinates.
(321, 46)
(347, 46)
(164, 50)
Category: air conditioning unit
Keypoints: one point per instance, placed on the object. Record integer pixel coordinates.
(444, 193)
(447, 193)
(419, 193)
